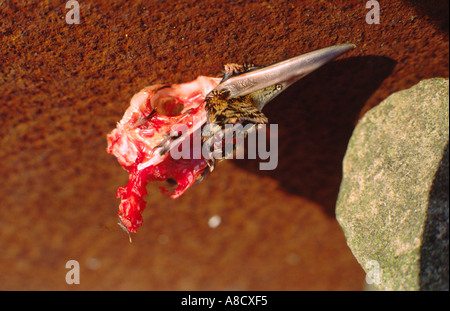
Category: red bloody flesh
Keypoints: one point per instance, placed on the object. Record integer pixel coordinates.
(134, 139)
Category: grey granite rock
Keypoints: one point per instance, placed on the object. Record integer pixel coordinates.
(393, 203)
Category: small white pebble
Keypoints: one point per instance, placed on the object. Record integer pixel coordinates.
(214, 221)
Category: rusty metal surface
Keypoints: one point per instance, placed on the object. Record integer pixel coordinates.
(63, 87)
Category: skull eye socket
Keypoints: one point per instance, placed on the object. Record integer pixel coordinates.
(167, 106)
(166, 103)
(172, 181)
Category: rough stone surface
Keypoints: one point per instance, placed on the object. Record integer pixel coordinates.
(393, 201)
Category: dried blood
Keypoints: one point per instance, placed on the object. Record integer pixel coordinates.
(137, 136)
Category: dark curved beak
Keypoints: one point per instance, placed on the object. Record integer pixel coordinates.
(284, 73)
